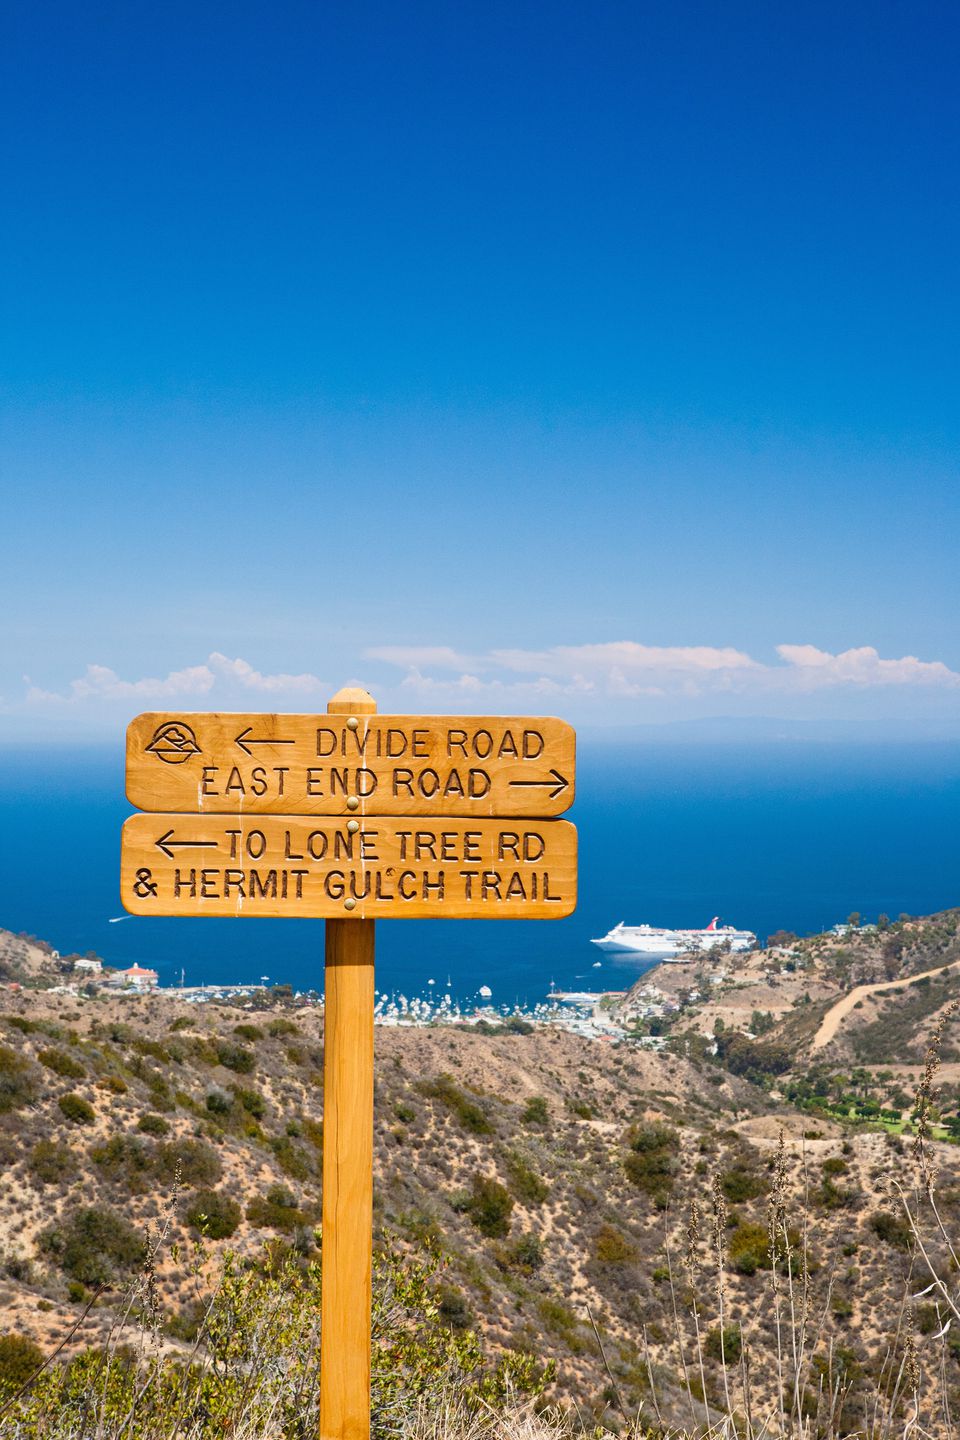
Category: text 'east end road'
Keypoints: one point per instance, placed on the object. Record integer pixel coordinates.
(321, 869)
(339, 765)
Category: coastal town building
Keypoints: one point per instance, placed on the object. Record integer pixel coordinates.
(93, 967)
(138, 976)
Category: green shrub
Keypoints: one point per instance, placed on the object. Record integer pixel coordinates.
(467, 1111)
(277, 1210)
(739, 1183)
(94, 1246)
(891, 1229)
(453, 1309)
(489, 1205)
(525, 1254)
(292, 1159)
(528, 1187)
(652, 1159)
(17, 1086)
(213, 1214)
(154, 1049)
(235, 1057)
(153, 1125)
(611, 1247)
(749, 1248)
(77, 1110)
(218, 1102)
(61, 1064)
(725, 1344)
(276, 1028)
(50, 1162)
(248, 1032)
(536, 1111)
(199, 1164)
(125, 1160)
(20, 1359)
(252, 1101)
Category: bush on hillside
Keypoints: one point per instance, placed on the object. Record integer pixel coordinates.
(198, 1163)
(151, 1124)
(741, 1183)
(891, 1229)
(61, 1064)
(467, 1111)
(213, 1214)
(17, 1085)
(236, 1057)
(488, 1203)
(77, 1110)
(536, 1111)
(652, 1160)
(94, 1246)
(612, 1247)
(725, 1344)
(252, 1101)
(51, 1163)
(276, 1210)
(528, 1187)
(125, 1160)
(20, 1359)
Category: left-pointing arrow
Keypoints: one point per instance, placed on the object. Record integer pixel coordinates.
(166, 843)
(245, 740)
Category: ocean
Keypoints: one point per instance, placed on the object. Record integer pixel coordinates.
(772, 835)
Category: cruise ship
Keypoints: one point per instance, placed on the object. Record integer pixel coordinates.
(671, 944)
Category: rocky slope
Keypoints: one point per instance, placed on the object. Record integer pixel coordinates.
(555, 1176)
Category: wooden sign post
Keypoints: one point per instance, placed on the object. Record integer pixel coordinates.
(348, 817)
(347, 1254)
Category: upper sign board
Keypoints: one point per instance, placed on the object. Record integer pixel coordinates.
(325, 764)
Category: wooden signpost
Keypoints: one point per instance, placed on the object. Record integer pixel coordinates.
(349, 816)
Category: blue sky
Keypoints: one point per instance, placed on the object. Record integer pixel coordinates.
(599, 359)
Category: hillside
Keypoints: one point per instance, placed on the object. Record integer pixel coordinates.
(553, 1174)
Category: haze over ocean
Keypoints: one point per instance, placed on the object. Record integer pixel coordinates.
(775, 834)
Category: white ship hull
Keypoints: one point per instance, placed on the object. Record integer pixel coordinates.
(658, 944)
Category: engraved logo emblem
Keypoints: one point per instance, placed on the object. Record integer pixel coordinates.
(173, 743)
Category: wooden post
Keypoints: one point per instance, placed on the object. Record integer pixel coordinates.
(347, 1241)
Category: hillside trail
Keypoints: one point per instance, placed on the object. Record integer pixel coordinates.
(830, 1023)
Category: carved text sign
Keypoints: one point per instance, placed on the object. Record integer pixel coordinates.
(350, 765)
(374, 868)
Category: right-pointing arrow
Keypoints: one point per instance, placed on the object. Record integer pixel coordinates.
(556, 784)
(166, 843)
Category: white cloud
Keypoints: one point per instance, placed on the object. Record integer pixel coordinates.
(626, 657)
(863, 666)
(98, 681)
(414, 656)
(243, 673)
(626, 669)
(220, 673)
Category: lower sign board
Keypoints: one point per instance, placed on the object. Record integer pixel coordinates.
(315, 868)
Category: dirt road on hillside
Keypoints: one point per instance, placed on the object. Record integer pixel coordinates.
(830, 1023)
